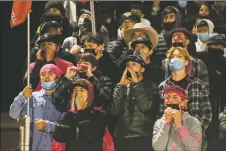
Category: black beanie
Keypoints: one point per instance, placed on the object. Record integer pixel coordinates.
(56, 4)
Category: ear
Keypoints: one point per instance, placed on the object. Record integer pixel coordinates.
(151, 52)
(94, 68)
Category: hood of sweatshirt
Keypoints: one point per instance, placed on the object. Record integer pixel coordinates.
(177, 21)
(201, 46)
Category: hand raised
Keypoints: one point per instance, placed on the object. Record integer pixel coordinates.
(39, 55)
(50, 55)
(167, 114)
(71, 72)
(177, 116)
(27, 91)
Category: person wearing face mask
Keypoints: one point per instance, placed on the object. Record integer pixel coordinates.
(85, 26)
(84, 126)
(204, 11)
(180, 37)
(216, 65)
(42, 112)
(57, 8)
(144, 48)
(95, 45)
(198, 93)
(87, 69)
(204, 28)
(137, 9)
(171, 19)
(47, 54)
(177, 129)
(134, 101)
(218, 12)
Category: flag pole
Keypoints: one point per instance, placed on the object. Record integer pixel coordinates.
(93, 21)
(27, 118)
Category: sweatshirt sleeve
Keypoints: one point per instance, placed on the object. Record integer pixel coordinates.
(191, 137)
(19, 107)
(160, 135)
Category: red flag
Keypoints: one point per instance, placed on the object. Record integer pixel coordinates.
(19, 13)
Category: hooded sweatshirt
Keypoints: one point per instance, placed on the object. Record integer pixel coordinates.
(84, 129)
(186, 138)
(201, 46)
(161, 49)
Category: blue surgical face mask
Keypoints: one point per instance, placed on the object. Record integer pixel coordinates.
(203, 36)
(176, 64)
(182, 4)
(154, 9)
(48, 85)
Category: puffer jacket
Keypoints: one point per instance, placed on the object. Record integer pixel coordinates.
(135, 105)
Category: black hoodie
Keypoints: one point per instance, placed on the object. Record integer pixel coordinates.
(161, 49)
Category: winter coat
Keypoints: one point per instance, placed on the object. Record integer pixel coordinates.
(82, 130)
(135, 106)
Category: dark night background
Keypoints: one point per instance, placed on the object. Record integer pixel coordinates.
(14, 51)
(14, 47)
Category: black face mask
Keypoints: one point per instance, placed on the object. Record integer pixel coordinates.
(91, 50)
(168, 26)
(173, 106)
(215, 52)
(204, 17)
(178, 44)
(82, 75)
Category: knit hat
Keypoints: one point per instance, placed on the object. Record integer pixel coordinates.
(88, 86)
(55, 4)
(44, 28)
(57, 39)
(133, 58)
(51, 67)
(176, 89)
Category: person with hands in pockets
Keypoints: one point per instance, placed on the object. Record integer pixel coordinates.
(177, 129)
(43, 114)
